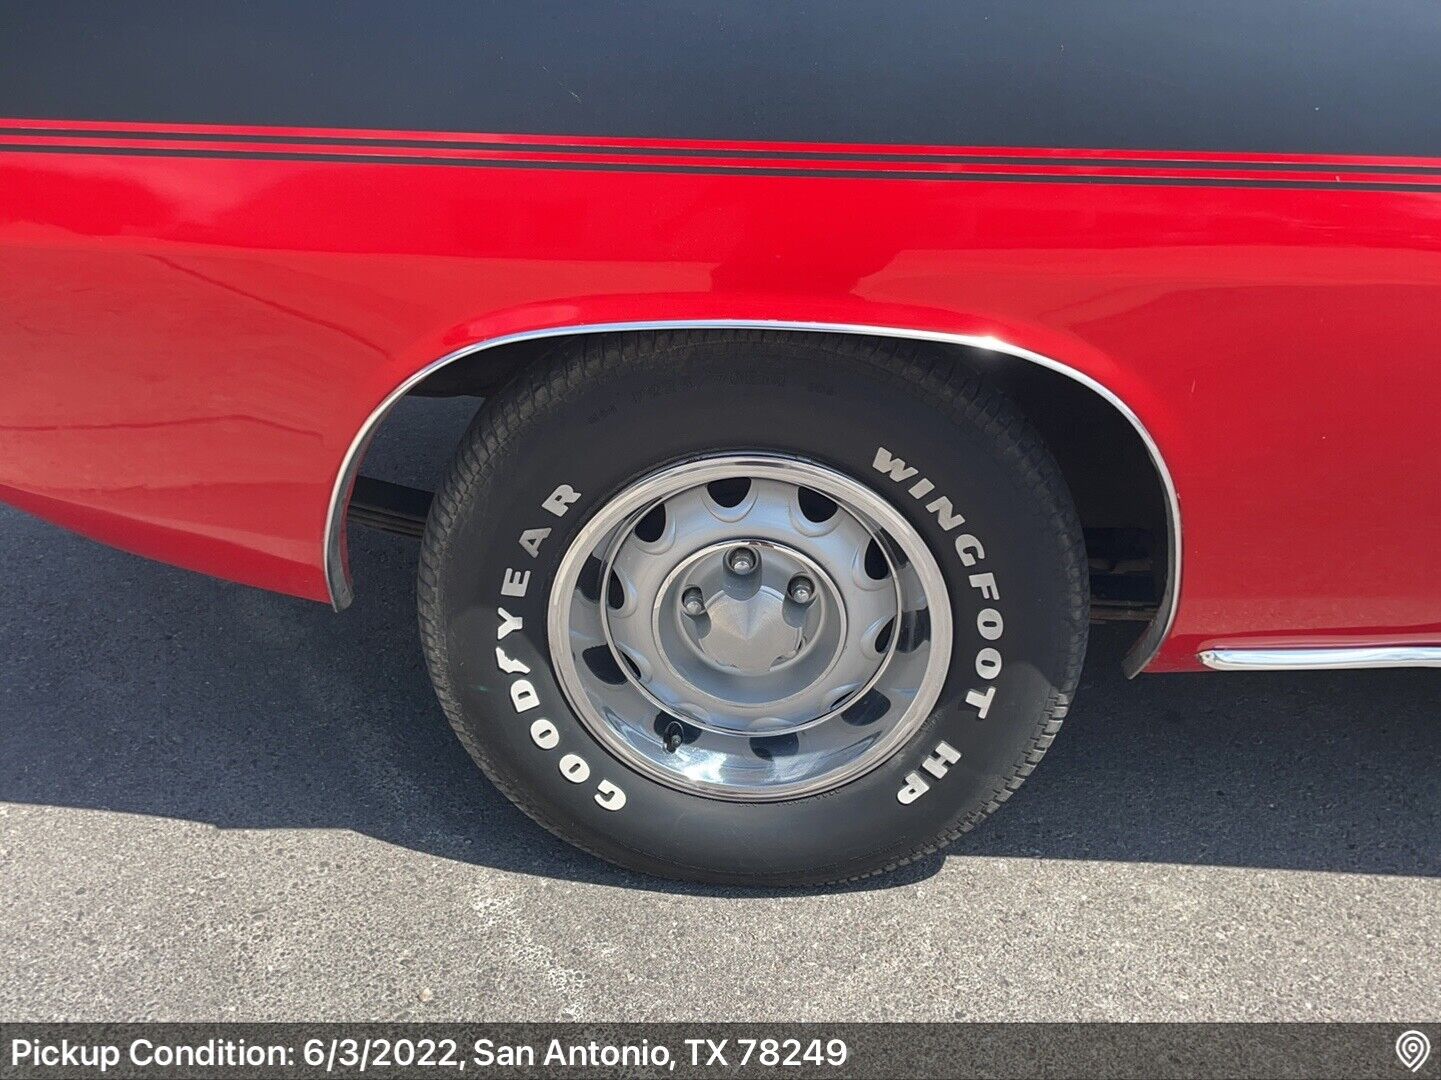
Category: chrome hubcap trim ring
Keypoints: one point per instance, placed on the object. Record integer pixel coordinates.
(737, 773)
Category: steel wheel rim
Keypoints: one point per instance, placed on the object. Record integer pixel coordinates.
(762, 696)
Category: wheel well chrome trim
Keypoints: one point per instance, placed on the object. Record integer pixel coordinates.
(1320, 659)
(1141, 654)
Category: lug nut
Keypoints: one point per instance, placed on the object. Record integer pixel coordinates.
(742, 560)
(692, 602)
(802, 590)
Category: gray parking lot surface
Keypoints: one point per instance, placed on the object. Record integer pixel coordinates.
(217, 803)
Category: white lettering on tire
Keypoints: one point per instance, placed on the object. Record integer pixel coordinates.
(523, 695)
(912, 789)
(981, 702)
(990, 624)
(508, 665)
(947, 518)
(574, 768)
(531, 540)
(987, 584)
(898, 470)
(559, 500)
(609, 796)
(942, 758)
(938, 764)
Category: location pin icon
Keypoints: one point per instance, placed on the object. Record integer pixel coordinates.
(1413, 1048)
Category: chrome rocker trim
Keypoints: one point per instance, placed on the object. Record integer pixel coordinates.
(1336, 658)
(1141, 654)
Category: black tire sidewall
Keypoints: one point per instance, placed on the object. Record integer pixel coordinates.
(833, 404)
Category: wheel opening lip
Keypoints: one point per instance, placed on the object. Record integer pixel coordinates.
(336, 570)
(861, 501)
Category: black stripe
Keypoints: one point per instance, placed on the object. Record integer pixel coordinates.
(1352, 77)
(721, 170)
(937, 157)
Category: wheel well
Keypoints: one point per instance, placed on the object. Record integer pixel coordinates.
(1121, 496)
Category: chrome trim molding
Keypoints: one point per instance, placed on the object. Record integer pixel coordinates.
(1334, 658)
(1141, 653)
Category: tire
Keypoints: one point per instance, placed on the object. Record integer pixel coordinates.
(933, 459)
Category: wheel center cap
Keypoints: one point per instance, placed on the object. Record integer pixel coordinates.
(751, 636)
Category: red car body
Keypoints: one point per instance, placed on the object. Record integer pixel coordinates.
(200, 323)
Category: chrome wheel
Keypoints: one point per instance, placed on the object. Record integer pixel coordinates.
(750, 627)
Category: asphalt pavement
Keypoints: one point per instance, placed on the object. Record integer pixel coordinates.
(217, 803)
